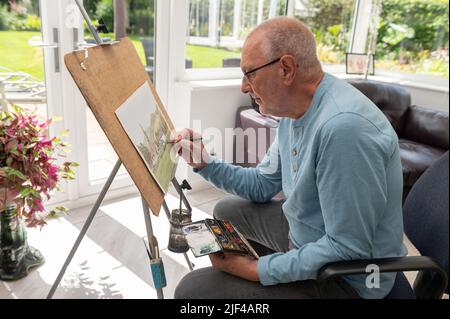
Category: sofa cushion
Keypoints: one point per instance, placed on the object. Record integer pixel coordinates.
(251, 118)
(393, 101)
(259, 133)
(416, 158)
(426, 126)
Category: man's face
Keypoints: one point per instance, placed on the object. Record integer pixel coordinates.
(262, 84)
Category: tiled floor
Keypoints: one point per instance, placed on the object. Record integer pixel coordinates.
(111, 261)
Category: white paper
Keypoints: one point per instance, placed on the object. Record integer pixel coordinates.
(146, 127)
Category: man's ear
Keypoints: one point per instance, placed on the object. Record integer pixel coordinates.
(289, 68)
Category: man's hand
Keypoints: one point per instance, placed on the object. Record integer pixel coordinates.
(237, 265)
(190, 147)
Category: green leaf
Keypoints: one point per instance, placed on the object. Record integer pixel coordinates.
(56, 212)
(64, 133)
(17, 109)
(11, 172)
(29, 191)
(62, 209)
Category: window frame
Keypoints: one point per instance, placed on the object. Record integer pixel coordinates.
(172, 25)
(178, 27)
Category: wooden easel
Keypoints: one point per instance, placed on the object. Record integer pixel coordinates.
(107, 75)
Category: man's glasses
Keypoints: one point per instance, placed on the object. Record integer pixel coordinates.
(250, 72)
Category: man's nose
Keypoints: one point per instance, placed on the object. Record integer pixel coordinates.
(245, 86)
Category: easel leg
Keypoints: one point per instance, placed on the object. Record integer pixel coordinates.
(149, 228)
(190, 265)
(147, 217)
(180, 192)
(85, 227)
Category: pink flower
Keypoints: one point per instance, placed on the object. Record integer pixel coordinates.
(38, 204)
(28, 165)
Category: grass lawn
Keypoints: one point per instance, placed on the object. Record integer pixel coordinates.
(17, 55)
(201, 56)
(208, 57)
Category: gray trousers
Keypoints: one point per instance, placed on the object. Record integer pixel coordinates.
(265, 226)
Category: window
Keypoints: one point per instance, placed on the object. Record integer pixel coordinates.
(413, 37)
(22, 72)
(134, 19)
(217, 29)
(331, 23)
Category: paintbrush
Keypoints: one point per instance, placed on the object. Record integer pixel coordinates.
(191, 139)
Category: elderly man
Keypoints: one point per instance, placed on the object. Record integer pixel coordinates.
(336, 159)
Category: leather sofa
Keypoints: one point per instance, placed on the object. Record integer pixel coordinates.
(423, 132)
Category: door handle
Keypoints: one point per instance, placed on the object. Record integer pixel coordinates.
(77, 45)
(55, 46)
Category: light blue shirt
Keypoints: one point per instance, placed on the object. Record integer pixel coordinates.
(339, 168)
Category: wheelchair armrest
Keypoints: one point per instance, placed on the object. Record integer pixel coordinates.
(427, 267)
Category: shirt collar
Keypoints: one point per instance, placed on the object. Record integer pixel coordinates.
(314, 105)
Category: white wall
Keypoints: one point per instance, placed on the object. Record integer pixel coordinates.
(425, 95)
(429, 98)
(202, 105)
(427, 91)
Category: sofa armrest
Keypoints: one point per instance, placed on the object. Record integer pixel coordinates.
(426, 126)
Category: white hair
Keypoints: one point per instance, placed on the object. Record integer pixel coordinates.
(284, 35)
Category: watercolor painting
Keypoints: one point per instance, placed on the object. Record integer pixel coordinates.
(147, 128)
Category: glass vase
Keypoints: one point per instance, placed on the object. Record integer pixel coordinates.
(16, 257)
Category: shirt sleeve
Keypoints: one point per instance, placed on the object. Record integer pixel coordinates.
(350, 166)
(258, 184)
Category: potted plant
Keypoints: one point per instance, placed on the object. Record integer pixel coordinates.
(30, 170)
